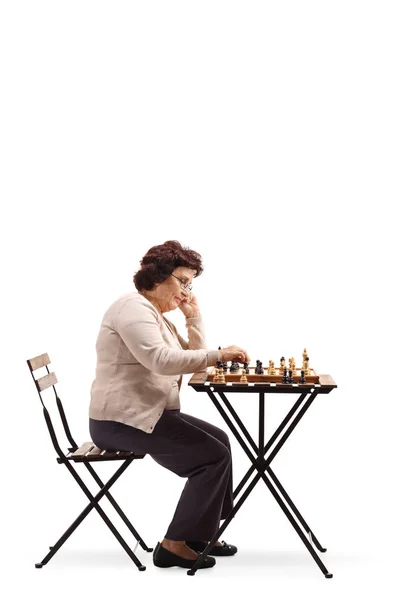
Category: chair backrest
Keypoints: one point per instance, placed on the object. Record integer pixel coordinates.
(43, 383)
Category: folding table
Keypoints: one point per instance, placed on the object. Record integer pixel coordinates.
(260, 460)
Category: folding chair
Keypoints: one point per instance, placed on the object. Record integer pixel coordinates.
(86, 453)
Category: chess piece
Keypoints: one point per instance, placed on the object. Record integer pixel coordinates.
(285, 378)
(246, 367)
(219, 348)
(216, 374)
(290, 378)
(307, 367)
(282, 365)
(243, 378)
(259, 368)
(302, 378)
(221, 376)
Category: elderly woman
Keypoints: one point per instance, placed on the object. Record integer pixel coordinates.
(135, 398)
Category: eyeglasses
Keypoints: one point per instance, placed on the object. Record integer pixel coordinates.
(184, 286)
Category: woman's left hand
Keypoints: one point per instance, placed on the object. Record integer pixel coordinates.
(189, 306)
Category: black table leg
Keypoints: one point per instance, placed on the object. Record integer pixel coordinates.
(261, 464)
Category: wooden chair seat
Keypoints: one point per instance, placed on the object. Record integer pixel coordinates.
(89, 452)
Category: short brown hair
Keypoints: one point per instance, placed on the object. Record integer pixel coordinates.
(159, 262)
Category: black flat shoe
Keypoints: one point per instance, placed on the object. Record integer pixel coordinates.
(224, 550)
(164, 558)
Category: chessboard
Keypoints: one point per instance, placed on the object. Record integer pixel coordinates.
(252, 377)
(284, 373)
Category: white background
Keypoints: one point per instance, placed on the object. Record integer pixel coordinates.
(264, 135)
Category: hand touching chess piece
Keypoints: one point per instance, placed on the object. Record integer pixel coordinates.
(234, 353)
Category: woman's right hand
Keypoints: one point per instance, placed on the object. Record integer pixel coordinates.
(234, 353)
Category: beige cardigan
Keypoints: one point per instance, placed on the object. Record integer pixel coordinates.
(140, 362)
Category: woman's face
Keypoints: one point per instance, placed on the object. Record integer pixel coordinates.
(170, 293)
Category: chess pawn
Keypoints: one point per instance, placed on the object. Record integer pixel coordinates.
(271, 368)
(302, 378)
(221, 376)
(243, 378)
(284, 378)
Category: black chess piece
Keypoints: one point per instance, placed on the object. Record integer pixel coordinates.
(285, 378)
(246, 367)
(225, 366)
(258, 370)
(302, 378)
(218, 364)
(290, 378)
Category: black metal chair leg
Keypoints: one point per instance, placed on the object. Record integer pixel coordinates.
(119, 511)
(93, 504)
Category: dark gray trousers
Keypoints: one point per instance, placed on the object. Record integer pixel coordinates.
(190, 448)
